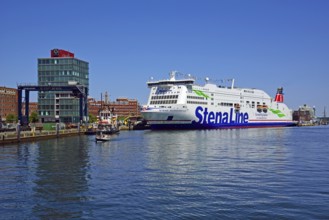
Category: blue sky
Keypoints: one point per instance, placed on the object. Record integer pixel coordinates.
(263, 44)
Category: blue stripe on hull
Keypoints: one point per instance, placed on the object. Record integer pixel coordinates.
(221, 126)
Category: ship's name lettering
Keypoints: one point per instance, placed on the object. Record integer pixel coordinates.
(209, 117)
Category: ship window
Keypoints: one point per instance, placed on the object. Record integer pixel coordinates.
(196, 102)
(226, 104)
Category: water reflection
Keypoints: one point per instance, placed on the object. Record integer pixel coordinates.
(172, 147)
(61, 178)
(270, 173)
(16, 180)
(190, 167)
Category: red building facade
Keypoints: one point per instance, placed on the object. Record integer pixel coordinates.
(121, 107)
(8, 102)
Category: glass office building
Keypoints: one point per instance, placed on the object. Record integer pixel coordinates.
(61, 69)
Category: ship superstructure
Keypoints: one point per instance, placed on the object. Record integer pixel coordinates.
(182, 104)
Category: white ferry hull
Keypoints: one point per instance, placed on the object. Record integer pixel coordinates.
(166, 119)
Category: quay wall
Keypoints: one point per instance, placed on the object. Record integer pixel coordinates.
(25, 136)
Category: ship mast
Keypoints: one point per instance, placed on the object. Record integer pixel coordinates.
(324, 112)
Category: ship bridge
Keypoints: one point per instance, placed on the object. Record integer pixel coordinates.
(172, 81)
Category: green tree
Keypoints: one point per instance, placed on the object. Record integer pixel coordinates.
(34, 117)
(92, 118)
(11, 118)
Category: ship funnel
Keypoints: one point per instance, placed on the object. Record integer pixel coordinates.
(279, 95)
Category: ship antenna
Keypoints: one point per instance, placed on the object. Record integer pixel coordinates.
(232, 86)
(172, 75)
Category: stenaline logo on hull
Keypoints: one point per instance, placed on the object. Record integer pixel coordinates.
(218, 118)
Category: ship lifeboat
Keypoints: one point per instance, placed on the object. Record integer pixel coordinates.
(265, 108)
(237, 107)
(259, 108)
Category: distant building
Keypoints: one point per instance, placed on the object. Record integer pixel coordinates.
(125, 107)
(304, 115)
(121, 107)
(8, 102)
(61, 69)
(94, 106)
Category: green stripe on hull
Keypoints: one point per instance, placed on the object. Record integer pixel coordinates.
(200, 93)
(277, 112)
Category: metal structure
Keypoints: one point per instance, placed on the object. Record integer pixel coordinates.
(78, 91)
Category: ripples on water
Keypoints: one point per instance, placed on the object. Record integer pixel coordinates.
(280, 173)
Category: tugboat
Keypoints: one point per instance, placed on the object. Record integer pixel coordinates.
(107, 122)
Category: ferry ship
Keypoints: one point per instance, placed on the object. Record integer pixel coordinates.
(183, 104)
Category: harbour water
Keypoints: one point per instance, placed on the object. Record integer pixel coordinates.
(273, 173)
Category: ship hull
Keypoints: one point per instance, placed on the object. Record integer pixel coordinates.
(204, 118)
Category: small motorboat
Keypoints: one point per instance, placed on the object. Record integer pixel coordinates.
(100, 136)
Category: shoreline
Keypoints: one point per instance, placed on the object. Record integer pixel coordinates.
(28, 136)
